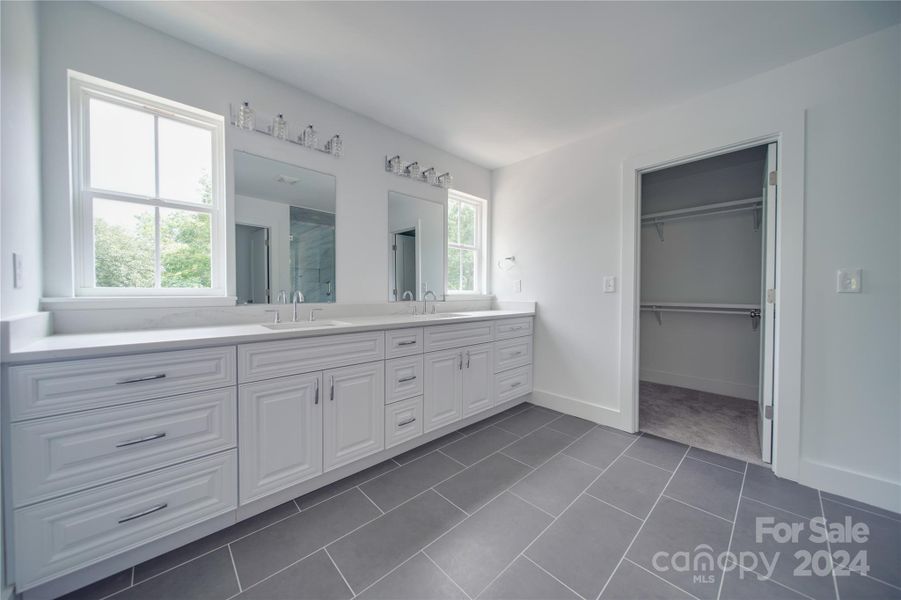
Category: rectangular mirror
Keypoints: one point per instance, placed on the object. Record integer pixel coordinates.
(284, 231)
(416, 245)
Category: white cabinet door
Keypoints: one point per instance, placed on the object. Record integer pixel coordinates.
(280, 437)
(354, 417)
(442, 401)
(478, 379)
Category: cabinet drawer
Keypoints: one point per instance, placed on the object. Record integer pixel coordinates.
(513, 383)
(516, 352)
(511, 328)
(70, 386)
(403, 378)
(444, 337)
(265, 360)
(403, 421)
(403, 342)
(59, 455)
(60, 536)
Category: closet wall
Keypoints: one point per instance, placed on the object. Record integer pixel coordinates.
(711, 259)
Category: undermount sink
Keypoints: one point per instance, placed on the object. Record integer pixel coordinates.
(437, 316)
(303, 325)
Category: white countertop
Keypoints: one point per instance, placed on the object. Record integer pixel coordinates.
(88, 345)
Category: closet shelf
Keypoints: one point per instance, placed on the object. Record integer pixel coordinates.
(751, 311)
(658, 219)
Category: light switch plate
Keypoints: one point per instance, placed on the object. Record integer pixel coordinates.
(517, 286)
(18, 272)
(847, 281)
(609, 284)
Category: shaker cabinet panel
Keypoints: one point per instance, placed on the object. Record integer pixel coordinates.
(354, 412)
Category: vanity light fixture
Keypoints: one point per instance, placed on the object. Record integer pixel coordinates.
(334, 146)
(413, 171)
(244, 117)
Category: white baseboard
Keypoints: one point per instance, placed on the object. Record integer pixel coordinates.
(713, 386)
(857, 486)
(580, 408)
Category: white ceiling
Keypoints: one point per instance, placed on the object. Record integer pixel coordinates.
(258, 177)
(496, 82)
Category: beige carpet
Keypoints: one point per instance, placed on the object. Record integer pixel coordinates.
(712, 422)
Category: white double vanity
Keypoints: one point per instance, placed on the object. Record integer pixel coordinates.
(115, 454)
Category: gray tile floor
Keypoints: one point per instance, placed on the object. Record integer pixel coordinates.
(529, 504)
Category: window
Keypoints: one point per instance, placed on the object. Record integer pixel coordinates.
(465, 240)
(147, 173)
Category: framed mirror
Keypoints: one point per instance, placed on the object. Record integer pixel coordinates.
(284, 231)
(416, 243)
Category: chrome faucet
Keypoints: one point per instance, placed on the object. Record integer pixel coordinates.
(408, 295)
(298, 297)
(278, 318)
(282, 297)
(313, 312)
(425, 301)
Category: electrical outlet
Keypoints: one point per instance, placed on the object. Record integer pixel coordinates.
(609, 284)
(847, 281)
(517, 286)
(18, 272)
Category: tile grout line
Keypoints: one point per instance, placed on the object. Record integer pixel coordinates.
(753, 499)
(450, 457)
(449, 501)
(896, 518)
(644, 462)
(364, 482)
(695, 458)
(365, 495)
(829, 547)
(511, 492)
(551, 575)
(744, 476)
(235, 569)
(613, 506)
(502, 453)
(689, 505)
(343, 578)
(449, 578)
(648, 571)
(762, 577)
(595, 467)
(554, 520)
(640, 527)
(402, 563)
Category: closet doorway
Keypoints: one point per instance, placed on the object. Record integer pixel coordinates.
(708, 242)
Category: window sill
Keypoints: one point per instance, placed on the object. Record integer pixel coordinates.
(451, 296)
(88, 303)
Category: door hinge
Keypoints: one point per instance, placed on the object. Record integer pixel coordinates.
(768, 412)
(773, 176)
(394, 247)
(771, 296)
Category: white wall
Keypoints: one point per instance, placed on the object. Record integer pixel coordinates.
(20, 208)
(92, 40)
(559, 213)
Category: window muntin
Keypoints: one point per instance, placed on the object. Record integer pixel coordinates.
(465, 239)
(149, 193)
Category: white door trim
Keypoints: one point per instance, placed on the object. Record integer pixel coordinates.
(729, 135)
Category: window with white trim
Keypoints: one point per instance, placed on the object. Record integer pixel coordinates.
(148, 193)
(465, 243)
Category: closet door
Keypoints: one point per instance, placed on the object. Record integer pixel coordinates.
(768, 306)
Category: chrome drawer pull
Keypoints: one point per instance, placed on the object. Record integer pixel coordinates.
(515, 384)
(144, 513)
(410, 343)
(407, 422)
(406, 379)
(316, 401)
(140, 379)
(141, 440)
(517, 328)
(512, 354)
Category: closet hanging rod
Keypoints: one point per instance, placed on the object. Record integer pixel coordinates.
(752, 313)
(704, 210)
